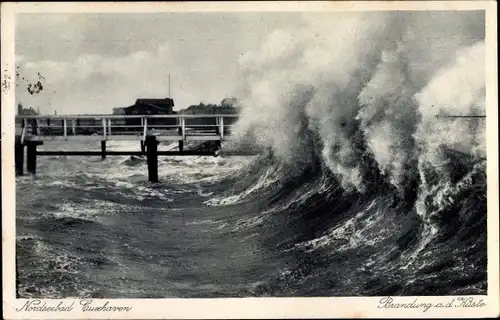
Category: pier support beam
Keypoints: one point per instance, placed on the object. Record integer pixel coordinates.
(143, 146)
(152, 157)
(103, 149)
(181, 146)
(31, 156)
(19, 158)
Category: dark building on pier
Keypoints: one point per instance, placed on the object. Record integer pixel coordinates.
(151, 106)
(163, 106)
(25, 111)
(147, 106)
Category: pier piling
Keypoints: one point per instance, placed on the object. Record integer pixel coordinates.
(19, 158)
(31, 156)
(152, 157)
(143, 146)
(103, 149)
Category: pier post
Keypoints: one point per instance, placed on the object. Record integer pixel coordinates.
(38, 132)
(183, 128)
(152, 157)
(103, 149)
(221, 130)
(31, 156)
(65, 128)
(19, 158)
(143, 146)
(182, 133)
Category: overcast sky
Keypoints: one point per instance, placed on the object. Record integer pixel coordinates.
(94, 62)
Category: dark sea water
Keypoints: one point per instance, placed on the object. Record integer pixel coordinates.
(242, 226)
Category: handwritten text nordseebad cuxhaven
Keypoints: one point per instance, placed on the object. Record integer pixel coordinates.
(86, 305)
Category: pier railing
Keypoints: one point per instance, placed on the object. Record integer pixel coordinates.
(179, 127)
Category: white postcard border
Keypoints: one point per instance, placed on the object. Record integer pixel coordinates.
(349, 307)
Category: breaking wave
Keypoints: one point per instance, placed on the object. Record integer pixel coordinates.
(350, 116)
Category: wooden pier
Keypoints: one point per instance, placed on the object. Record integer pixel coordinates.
(150, 130)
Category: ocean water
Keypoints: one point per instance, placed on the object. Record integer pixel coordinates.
(239, 226)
